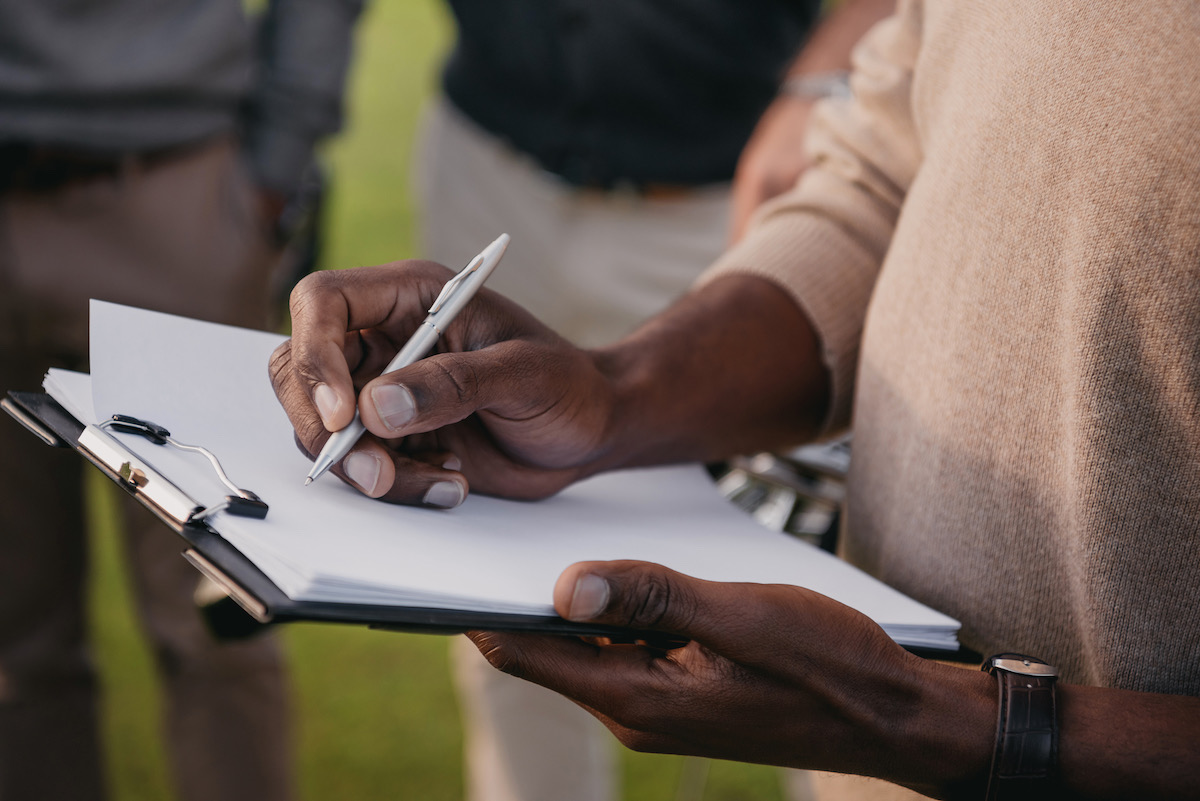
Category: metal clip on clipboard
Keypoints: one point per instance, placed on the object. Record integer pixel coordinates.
(163, 497)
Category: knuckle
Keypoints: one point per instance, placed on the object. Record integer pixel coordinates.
(309, 432)
(318, 283)
(459, 376)
(654, 596)
(309, 289)
(503, 659)
(305, 364)
(279, 364)
(420, 276)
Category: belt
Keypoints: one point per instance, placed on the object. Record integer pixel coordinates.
(643, 191)
(37, 168)
(665, 192)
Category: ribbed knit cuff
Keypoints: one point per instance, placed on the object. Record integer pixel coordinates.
(828, 270)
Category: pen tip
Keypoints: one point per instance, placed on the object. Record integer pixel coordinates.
(308, 481)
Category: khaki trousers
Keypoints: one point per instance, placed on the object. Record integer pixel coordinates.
(591, 265)
(180, 236)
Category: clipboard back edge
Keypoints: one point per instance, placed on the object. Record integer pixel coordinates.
(43, 417)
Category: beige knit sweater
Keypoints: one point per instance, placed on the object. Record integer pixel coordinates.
(1000, 250)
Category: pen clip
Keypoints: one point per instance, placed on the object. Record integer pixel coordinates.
(454, 283)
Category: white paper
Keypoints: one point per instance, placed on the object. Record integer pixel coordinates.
(208, 385)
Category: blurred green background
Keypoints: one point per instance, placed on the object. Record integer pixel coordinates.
(376, 716)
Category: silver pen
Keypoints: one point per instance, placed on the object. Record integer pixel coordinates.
(457, 292)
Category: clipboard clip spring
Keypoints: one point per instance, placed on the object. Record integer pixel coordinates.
(242, 502)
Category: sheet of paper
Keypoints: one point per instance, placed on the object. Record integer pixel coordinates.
(72, 390)
(208, 385)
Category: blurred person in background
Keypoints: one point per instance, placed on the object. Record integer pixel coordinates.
(605, 137)
(147, 151)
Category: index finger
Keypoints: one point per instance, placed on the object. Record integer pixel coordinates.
(624, 687)
(326, 305)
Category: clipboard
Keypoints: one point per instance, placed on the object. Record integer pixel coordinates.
(246, 585)
(220, 562)
(327, 553)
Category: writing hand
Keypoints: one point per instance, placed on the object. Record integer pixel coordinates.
(504, 405)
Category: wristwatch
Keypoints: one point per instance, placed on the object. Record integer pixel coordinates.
(817, 86)
(1025, 763)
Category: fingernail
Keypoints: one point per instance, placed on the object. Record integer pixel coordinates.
(394, 404)
(590, 597)
(445, 494)
(328, 403)
(453, 463)
(363, 470)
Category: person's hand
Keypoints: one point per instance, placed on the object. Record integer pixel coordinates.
(504, 406)
(772, 160)
(772, 674)
(271, 204)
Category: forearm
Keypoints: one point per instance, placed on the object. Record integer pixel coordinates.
(774, 157)
(829, 48)
(1118, 744)
(1113, 744)
(733, 367)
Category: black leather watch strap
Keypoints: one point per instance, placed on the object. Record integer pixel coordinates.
(1025, 762)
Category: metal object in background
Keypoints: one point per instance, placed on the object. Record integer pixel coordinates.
(800, 492)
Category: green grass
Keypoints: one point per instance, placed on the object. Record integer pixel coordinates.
(395, 69)
(376, 714)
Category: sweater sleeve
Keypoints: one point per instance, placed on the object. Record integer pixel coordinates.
(304, 56)
(825, 240)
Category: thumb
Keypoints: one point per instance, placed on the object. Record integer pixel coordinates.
(448, 387)
(641, 596)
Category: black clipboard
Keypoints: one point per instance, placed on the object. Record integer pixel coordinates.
(250, 588)
(223, 564)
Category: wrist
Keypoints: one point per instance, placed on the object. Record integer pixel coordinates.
(627, 440)
(946, 746)
(1025, 760)
(815, 86)
(733, 367)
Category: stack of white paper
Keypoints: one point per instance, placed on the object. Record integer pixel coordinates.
(208, 385)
